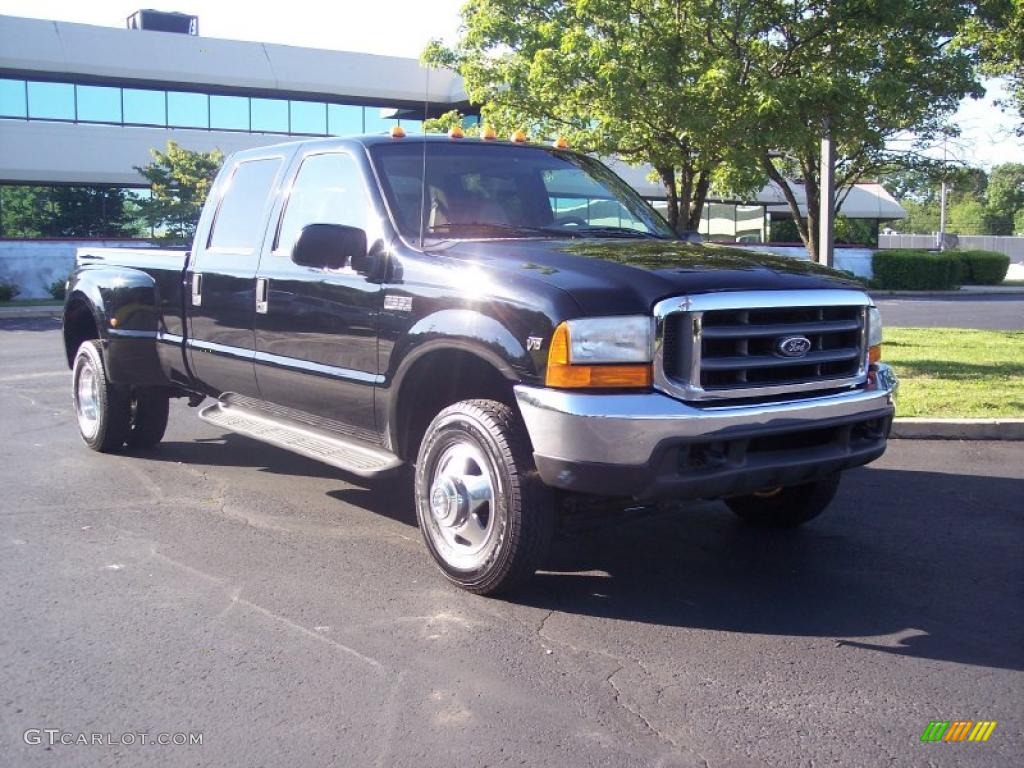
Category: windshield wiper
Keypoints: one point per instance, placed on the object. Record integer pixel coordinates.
(450, 227)
(603, 232)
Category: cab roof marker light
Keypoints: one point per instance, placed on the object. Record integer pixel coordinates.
(488, 133)
(518, 137)
(560, 143)
(396, 132)
(455, 132)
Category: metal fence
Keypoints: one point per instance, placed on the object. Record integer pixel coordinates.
(1011, 246)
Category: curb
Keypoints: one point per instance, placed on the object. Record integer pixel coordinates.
(24, 313)
(957, 429)
(1014, 291)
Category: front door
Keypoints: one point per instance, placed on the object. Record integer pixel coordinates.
(316, 331)
(221, 290)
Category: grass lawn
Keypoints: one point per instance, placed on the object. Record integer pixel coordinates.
(956, 373)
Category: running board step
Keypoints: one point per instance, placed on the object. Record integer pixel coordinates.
(359, 459)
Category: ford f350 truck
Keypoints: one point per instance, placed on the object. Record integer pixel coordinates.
(510, 318)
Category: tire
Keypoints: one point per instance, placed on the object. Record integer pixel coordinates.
(149, 410)
(485, 515)
(789, 507)
(102, 408)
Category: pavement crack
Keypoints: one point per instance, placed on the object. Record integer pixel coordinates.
(641, 718)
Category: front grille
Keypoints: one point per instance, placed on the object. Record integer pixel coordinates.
(732, 345)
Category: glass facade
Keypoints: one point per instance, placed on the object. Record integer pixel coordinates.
(113, 105)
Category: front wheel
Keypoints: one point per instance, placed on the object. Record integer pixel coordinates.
(786, 507)
(485, 516)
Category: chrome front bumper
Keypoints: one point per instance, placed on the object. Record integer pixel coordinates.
(579, 438)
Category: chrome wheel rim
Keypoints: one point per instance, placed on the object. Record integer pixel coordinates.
(460, 517)
(87, 401)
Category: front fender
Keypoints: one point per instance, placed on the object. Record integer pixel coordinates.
(463, 330)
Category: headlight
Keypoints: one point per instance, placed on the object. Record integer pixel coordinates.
(874, 335)
(611, 340)
(602, 352)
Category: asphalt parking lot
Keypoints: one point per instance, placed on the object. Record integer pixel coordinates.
(292, 616)
(993, 312)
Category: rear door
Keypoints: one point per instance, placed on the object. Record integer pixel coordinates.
(221, 290)
(316, 333)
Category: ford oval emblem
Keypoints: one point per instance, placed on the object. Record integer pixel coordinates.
(793, 346)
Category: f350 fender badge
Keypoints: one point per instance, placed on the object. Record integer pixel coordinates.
(398, 303)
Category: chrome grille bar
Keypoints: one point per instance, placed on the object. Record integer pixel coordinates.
(724, 345)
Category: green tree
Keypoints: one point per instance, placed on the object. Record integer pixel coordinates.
(995, 32)
(922, 217)
(649, 81)
(1005, 196)
(720, 92)
(1018, 223)
(968, 217)
(867, 72)
(180, 181)
(67, 211)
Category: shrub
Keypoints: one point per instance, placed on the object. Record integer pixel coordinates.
(983, 267)
(8, 291)
(916, 270)
(58, 289)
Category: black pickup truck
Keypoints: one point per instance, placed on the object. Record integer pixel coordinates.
(510, 318)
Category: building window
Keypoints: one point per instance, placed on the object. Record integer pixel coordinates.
(308, 117)
(230, 113)
(145, 107)
(344, 120)
(51, 101)
(374, 122)
(99, 104)
(188, 110)
(13, 98)
(270, 115)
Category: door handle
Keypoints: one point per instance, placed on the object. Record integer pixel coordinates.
(197, 289)
(262, 292)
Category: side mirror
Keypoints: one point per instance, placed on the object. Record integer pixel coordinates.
(329, 246)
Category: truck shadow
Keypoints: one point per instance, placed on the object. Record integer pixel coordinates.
(920, 564)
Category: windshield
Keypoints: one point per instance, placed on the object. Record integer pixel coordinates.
(475, 190)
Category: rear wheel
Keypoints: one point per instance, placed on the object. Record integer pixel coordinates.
(101, 407)
(149, 410)
(786, 507)
(485, 516)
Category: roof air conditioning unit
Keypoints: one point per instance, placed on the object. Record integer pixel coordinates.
(164, 21)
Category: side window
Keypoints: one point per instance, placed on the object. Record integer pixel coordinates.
(328, 189)
(239, 223)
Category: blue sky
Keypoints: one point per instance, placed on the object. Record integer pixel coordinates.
(403, 27)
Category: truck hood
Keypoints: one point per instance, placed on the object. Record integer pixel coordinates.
(621, 276)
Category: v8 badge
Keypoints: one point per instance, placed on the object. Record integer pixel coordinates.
(533, 343)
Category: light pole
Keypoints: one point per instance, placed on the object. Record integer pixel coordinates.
(827, 192)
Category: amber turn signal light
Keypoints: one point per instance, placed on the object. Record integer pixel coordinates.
(874, 354)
